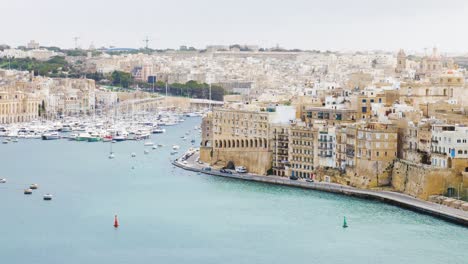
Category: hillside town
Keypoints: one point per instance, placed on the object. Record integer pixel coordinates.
(377, 120)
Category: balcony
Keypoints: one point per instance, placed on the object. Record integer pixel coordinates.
(325, 147)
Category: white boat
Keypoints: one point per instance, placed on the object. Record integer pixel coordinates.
(50, 136)
(146, 151)
(120, 138)
(175, 147)
(154, 147)
(133, 154)
(33, 186)
(2, 180)
(111, 156)
(48, 197)
(149, 143)
(158, 130)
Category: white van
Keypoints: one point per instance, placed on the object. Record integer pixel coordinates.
(241, 169)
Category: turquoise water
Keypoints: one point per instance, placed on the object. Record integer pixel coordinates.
(168, 215)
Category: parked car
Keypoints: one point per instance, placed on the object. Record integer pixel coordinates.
(207, 169)
(309, 180)
(225, 171)
(294, 178)
(241, 169)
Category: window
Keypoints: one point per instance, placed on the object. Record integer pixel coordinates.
(364, 110)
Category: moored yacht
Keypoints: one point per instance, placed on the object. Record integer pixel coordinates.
(50, 135)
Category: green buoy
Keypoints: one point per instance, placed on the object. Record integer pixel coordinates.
(345, 225)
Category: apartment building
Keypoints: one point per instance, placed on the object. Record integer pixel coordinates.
(301, 150)
(448, 142)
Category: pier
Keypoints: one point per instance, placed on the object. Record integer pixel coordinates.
(402, 200)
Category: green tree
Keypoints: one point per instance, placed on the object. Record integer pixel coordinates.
(122, 79)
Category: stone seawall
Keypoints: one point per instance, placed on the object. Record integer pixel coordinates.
(421, 180)
(398, 199)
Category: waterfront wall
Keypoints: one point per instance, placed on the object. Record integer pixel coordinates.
(369, 174)
(256, 161)
(422, 181)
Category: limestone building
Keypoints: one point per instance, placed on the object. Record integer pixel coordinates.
(375, 147)
(242, 136)
(16, 106)
(280, 148)
(301, 150)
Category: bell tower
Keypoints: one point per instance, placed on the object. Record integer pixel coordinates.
(401, 61)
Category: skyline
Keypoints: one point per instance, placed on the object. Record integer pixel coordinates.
(308, 25)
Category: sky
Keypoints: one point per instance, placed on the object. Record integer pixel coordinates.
(306, 24)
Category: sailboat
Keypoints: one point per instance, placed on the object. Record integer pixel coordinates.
(345, 225)
(111, 153)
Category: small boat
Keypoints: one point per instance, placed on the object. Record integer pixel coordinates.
(149, 143)
(146, 151)
(94, 139)
(120, 138)
(175, 147)
(15, 140)
(2, 180)
(27, 191)
(111, 155)
(158, 130)
(193, 140)
(47, 197)
(50, 136)
(133, 154)
(154, 147)
(5, 141)
(160, 145)
(33, 186)
(83, 137)
(174, 152)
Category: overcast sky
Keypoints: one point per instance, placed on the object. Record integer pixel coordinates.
(305, 24)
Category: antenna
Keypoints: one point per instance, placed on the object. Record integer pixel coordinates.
(146, 40)
(76, 41)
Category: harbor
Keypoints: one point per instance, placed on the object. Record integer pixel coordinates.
(171, 213)
(398, 199)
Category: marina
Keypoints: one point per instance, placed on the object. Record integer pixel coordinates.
(172, 213)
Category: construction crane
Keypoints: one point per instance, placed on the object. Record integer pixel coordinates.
(146, 40)
(76, 42)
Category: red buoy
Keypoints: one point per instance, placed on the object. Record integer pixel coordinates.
(116, 221)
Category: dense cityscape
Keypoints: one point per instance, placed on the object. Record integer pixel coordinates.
(234, 132)
(370, 120)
